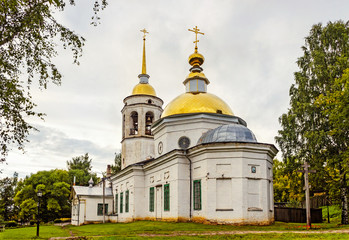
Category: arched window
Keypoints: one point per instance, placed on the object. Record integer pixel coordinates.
(134, 123)
(149, 118)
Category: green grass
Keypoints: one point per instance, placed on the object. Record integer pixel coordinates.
(30, 233)
(172, 230)
(283, 236)
(144, 227)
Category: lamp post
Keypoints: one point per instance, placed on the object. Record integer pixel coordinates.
(39, 194)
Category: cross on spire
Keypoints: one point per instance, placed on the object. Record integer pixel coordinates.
(144, 65)
(144, 31)
(196, 31)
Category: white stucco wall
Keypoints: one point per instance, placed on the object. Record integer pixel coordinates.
(138, 147)
(84, 209)
(169, 130)
(231, 193)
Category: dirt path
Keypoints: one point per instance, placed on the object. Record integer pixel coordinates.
(242, 232)
(346, 231)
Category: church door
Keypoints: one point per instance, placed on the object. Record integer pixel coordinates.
(158, 203)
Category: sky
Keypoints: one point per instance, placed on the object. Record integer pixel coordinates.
(250, 49)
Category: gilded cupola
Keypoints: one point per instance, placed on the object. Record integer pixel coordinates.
(196, 99)
(143, 87)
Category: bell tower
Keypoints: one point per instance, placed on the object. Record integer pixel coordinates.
(141, 109)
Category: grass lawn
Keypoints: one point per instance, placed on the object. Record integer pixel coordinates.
(149, 230)
(144, 227)
(287, 236)
(30, 232)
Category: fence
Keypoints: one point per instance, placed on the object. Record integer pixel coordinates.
(297, 215)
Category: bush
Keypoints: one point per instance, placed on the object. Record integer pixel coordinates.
(57, 220)
(11, 224)
(335, 212)
(32, 222)
(66, 219)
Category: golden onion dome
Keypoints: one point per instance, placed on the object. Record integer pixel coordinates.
(196, 99)
(143, 89)
(196, 59)
(196, 103)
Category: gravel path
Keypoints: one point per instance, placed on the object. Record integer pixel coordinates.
(219, 233)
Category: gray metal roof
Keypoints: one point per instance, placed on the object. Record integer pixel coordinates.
(228, 133)
(91, 191)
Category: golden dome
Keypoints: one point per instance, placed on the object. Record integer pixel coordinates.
(196, 103)
(143, 89)
(196, 59)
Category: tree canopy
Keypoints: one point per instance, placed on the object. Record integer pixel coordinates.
(29, 34)
(116, 167)
(313, 129)
(7, 192)
(80, 168)
(55, 188)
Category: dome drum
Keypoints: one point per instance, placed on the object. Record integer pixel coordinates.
(143, 78)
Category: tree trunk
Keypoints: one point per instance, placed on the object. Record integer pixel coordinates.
(344, 199)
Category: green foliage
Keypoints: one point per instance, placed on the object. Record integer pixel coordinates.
(54, 202)
(28, 209)
(116, 167)
(334, 104)
(7, 192)
(335, 212)
(308, 130)
(80, 167)
(11, 224)
(286, 190)
(29, 33)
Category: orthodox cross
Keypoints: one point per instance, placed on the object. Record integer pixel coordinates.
(307, 187)
(144, 66)
(144, 32)
(196, 31)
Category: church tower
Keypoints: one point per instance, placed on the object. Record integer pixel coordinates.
(141, 109)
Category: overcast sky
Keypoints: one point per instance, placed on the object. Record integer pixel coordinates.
(250, 50)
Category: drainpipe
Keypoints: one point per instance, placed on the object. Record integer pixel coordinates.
(78, 211)
(112, 193)
(103, 209)
(190, 184)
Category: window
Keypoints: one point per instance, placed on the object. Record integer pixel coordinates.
(149, 117)
(100, 209)
(134, 123)
(167, 197)
(197, 195)
(116, 203)
(151, 199)
(121, 201)
(127, 200)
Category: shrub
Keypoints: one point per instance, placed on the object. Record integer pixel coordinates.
(66, 219)
(32, 222)
(57, 220)
(11, 224)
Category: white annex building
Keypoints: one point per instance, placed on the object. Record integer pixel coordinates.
(194, 160)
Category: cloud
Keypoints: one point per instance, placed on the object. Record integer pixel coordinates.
(50, 148)
(250, 49)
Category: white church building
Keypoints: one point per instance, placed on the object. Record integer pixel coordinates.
(194, 160)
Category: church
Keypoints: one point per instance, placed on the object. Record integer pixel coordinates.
(193, 160)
